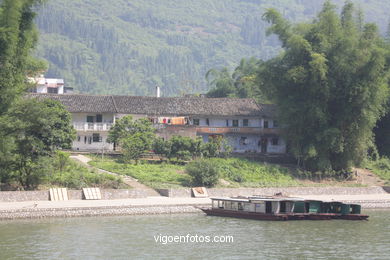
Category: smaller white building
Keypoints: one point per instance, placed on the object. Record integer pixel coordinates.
(49, 85)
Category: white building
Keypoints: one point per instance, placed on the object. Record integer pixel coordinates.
(246, 125)
(49, 85)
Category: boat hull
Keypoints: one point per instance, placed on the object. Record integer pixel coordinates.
(265, 216)
(245, 214)
(281, 217)
(354, 217)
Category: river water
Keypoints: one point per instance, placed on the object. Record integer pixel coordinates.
(134, 237)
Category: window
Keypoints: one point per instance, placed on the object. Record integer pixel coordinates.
(235, 122)
(196, 121)
(96, 138)
(265, 124)
(275, 141)
(52, 90)
(227, 122)
(243, 140)
(78, 138)
(207, 121)
(99, 118)
(276, 124)
(89, 119)
(245, 122)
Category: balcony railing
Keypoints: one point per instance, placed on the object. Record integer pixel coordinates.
(92, 126)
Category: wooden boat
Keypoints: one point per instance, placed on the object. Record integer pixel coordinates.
(282, 208)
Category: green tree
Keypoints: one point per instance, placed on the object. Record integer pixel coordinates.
(135, 137)
(17, 39)
(184, 148)
(162, 147)
(330, 85)
(221, 83)
(382, 135)
(244, 82)
(203, 173)
(133, 146)
(34, 130)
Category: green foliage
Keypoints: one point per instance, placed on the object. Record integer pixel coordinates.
(17, 39)
(126, 127)
(382, 136)
(330, 86)
(213, 147)
(246, 173)
(76, 176)
(160, 146)
(242, 83)
(61, 159)
(154, 175)
(237, 172)
(33, 130)
(184, 148)
(135, 145)
(134, 136)
(137, 45)
(203, 173)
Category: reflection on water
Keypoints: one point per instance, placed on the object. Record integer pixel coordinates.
(132, 237)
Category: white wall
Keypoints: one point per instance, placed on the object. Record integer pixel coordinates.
(41, 89)
(82, 117)
(82, 142)
(280, 148)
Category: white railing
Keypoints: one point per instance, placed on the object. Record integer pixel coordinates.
(92, 126)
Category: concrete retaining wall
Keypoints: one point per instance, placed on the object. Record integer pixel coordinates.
(227, 192)
(109, 194)
(96, 211)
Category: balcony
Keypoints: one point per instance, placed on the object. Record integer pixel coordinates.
(92, 126)
(238, 130)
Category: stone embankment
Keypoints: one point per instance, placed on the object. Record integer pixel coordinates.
(17, 205)
(34, 213)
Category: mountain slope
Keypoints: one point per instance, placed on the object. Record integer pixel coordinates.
(130, 46)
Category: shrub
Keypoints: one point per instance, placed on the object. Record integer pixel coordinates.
(203, 173)
(75, 176)
(61, 159)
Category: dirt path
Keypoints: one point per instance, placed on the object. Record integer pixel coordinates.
(366, 177)
(126, 179)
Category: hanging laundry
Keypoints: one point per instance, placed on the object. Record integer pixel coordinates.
(178, 121)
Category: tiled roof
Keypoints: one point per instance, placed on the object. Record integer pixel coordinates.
(175, 106)
(81, 103)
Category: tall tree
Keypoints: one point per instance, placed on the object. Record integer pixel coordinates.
(242, 83)
(330, 85)
(17, 39)
(135, 137)
(221, 83)
(34, 130)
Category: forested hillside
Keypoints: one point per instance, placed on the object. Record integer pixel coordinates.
(129, 46)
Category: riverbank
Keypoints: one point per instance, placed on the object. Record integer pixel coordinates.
(148, 206)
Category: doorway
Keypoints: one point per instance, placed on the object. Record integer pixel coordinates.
(268, 207)
(264, 142)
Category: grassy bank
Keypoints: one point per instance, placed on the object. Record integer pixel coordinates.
(380, 167)
(233, 172)
(76, 176)
(60, 171)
